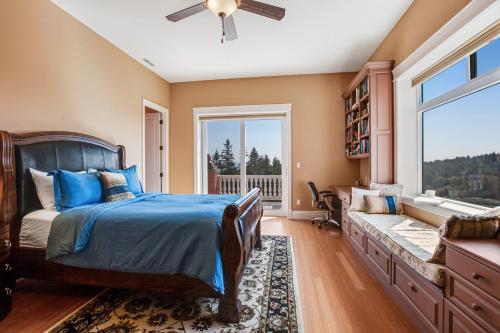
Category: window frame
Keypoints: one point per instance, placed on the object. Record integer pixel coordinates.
(462, 29)
(473, 84)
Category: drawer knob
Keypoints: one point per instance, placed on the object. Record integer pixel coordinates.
(8, 291)
(8, 267)
(412, 286)
(476, 276)
(376, 252)
(7, 244)
(355, 232)
(475, 307)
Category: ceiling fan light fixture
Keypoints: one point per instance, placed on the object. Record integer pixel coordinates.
(222, 7)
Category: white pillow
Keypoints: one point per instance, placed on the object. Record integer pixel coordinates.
(358, 200)
(388, 189)
(44, 188)
(44, 185)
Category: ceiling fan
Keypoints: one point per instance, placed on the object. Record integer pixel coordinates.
(225, 8)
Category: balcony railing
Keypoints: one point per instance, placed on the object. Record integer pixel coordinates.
(271, 186)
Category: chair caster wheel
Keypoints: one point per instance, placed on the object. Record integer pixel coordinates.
(312, 222)
(319, 226)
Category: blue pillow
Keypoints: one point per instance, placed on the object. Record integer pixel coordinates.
(73, 189)
(134, 184)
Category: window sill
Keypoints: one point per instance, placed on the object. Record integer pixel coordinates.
(446, 209)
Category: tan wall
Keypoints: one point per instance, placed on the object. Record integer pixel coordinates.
(421, 20)
(317, 125)
(56, 74)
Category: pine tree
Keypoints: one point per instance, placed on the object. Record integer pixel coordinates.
(216, 160)
(253, 162)
(228, 166)
(265, 166)
(276, 166)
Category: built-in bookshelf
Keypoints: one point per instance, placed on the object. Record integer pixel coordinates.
(368, 119)
(357, 113)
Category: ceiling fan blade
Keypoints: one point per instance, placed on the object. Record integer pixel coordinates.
(229, 28)
(182, 14)
(259, 8)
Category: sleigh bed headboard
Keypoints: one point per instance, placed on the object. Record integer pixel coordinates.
(45, 151)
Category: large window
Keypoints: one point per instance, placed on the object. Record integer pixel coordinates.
(461, 138)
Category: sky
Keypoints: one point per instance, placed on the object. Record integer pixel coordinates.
(469, 125)
(263, 134)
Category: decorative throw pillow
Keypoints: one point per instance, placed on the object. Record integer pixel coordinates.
(383, 204)
(44, 184)
(388, 189)
(484, 226)
(115, 186)
(134, 184)
(73, 189)
(357, 201)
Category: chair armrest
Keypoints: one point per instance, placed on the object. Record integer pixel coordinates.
(327, 195)
(325, 192)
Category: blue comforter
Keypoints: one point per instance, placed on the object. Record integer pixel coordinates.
(152, 233)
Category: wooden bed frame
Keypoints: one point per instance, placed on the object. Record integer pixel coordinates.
(240, 224)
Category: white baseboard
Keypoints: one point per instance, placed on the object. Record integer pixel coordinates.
(305, 214)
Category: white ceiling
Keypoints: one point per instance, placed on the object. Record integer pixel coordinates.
(316, 36)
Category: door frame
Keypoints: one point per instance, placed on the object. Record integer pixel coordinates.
(284, 110)
(164, 142)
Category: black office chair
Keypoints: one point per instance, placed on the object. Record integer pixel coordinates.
(324, 200)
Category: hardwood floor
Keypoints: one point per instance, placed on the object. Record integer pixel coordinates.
(337, 293)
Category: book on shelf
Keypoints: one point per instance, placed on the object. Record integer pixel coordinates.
(347, 104)
(365, 126)
(364, 87)
(364, 146)
(365, 109)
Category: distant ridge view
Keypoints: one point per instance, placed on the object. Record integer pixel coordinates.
(473, 179)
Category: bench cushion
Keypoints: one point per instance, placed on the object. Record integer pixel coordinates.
(411, 240)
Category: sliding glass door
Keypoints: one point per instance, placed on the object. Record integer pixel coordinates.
(241, 154)
(263, 147)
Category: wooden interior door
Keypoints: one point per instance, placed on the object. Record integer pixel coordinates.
(153, 151)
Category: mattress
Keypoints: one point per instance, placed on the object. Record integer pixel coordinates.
(35, 228)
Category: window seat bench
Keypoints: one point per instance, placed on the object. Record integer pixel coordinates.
(411, 240)
(396, 248)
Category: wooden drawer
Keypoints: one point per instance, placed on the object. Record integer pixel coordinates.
(6, 275)
(426, 302)
(455, 321)
(345, 197)
(473, 271)
(379, 256)
(358, 236)
(5, 245)
(346, 227)
(481, 307)
(345, 218)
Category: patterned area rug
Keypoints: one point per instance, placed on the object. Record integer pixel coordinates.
(267, 292)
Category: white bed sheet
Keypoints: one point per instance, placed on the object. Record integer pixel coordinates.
(35, 228)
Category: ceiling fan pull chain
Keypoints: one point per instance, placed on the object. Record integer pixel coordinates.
(223, 30)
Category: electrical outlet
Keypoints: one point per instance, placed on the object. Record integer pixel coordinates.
(298, 164)
(298, 202)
